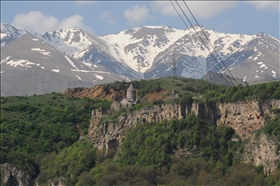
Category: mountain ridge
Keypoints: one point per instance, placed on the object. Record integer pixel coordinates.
(152, 51)
(39, 68)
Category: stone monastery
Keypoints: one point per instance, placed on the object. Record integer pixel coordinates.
(127, 102)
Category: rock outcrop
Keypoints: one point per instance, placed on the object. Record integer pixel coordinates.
(96, 92)
(13, 176)
(262, 151)
(241, 116)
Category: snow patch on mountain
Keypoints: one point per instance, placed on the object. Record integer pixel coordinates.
(262, 65)
(21, 62)
(274, 74)
(71, 62)
(42, 51)
(3, 35)
(102, 72)
(76, 70)
(78, 77)
(17, 62)
(98, 76)
(55, 70)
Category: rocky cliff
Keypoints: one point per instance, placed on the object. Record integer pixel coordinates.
(13, 176)
(244, 117)
(262, 150)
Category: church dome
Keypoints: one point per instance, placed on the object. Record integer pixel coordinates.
(131, 93)
(131, 88)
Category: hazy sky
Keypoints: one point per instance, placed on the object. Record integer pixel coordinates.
(108, 17)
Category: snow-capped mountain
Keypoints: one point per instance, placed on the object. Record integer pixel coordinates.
(252, 58)
(86, 47)
(192, 58)
(257, 61)
(31, 66)
(10, 32)
(156, 48)
(141, 44)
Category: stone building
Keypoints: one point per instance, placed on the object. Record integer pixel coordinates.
(127, 102)
(175, 94)
(98, 113)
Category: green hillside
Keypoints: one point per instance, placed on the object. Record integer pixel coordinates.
(203, 89)
(46, 136)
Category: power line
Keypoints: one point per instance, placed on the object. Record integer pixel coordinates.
(211, 46)
(201, 41)
(213, 49)
(210, 42)
(200, 38)
(197, 39)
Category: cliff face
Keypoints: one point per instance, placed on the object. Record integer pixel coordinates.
(262, 151)
(12, 176)
(241, 116)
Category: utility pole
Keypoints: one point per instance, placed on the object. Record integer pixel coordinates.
(139, 69)
(174, 65)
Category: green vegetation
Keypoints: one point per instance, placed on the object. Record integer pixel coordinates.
(272, 129)
(40, 134)
(150, 155)
(160, 139)
(70, 163)
(35, 125)
(203, 91)
(144, 86)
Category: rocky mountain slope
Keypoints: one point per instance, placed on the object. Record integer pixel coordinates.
(154, 49)
(38, 68)
(87, 47)
(9, 33)
(141, 44)
(257, 61)
(222, 79)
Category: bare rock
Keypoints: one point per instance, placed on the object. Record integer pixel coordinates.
(13, 176)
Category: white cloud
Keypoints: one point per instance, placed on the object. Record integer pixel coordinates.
(108, 16)
(265, 4)
(200, 9)
(74, 21)
(36, 21)
(40, 23)
(138, 14)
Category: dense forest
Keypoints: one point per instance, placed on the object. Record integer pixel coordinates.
(46, 136)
